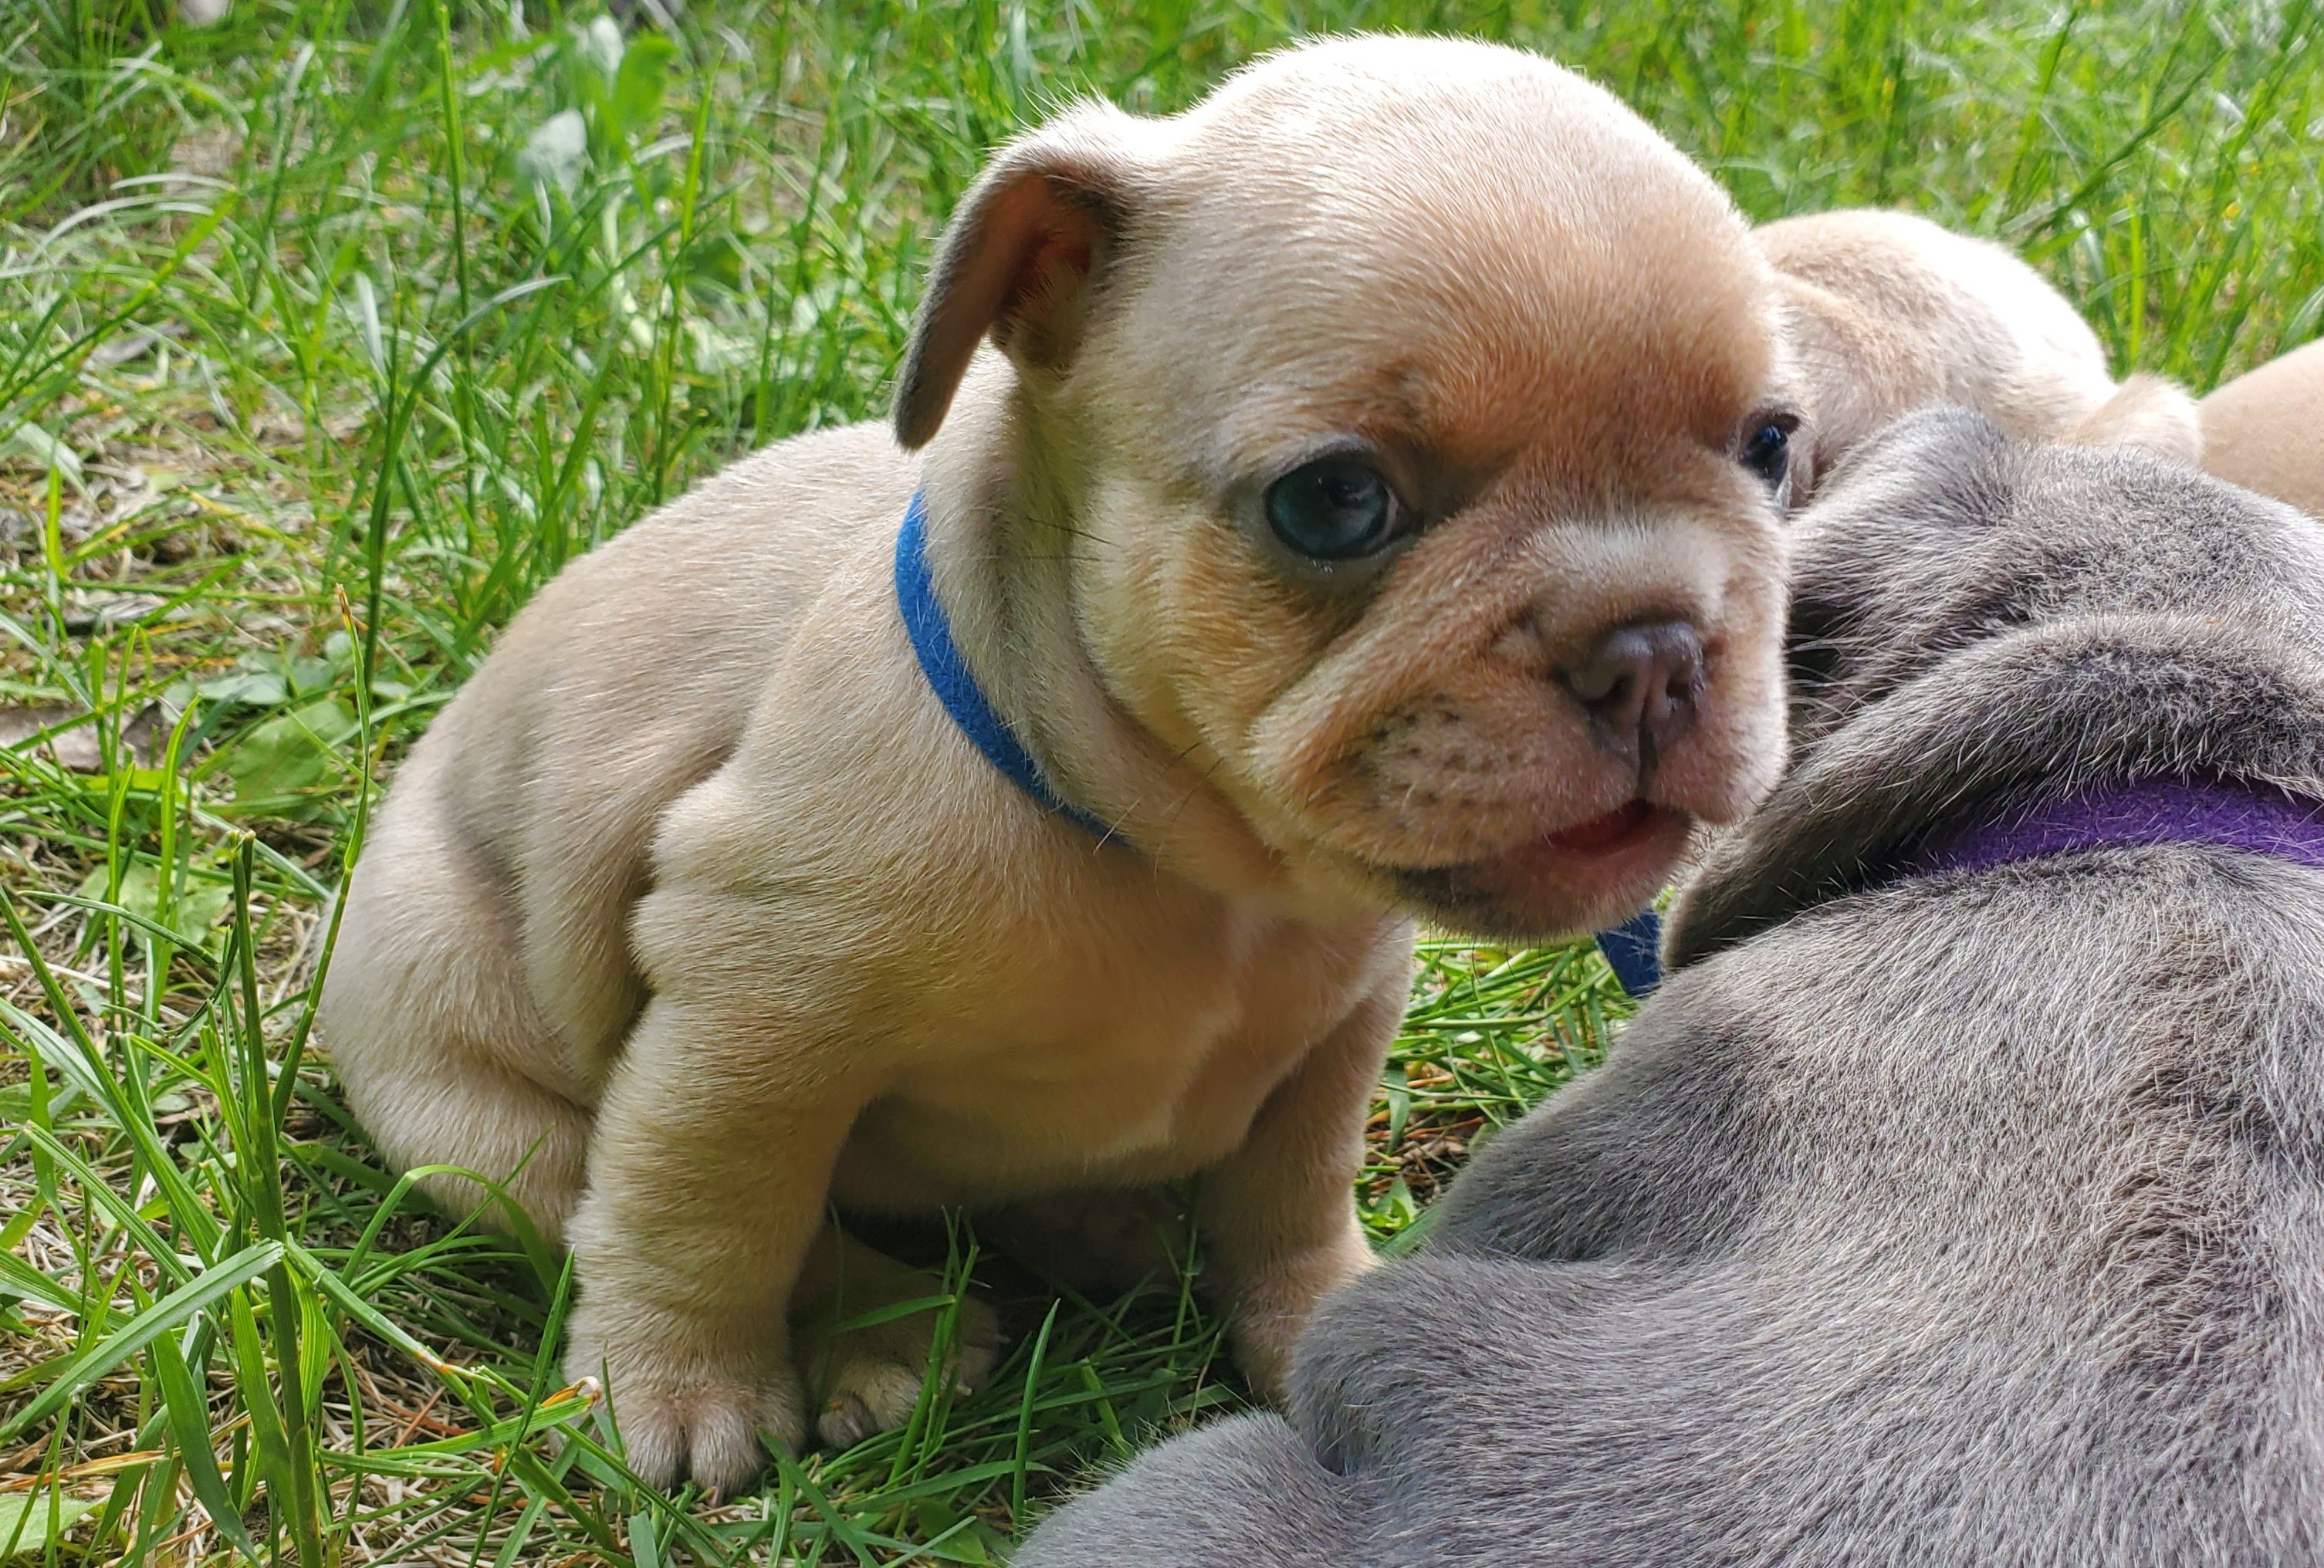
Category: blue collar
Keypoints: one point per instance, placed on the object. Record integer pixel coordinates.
(949, 676)
(1633, 951)
(1628, 948)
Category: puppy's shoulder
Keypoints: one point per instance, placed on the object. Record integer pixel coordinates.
(655, 647)
(784, 502)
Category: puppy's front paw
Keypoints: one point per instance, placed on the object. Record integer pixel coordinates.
(868, 1379)
(1272, 1307)
(690, 1412)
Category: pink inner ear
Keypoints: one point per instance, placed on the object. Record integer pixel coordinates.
(1047, 244)
(1027, 249)
(1053, 260)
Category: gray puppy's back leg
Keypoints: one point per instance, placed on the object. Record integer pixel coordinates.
(429, 1021)
(1648, 1156)
(1245, 1493)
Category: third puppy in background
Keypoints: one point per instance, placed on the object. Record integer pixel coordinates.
(1887, 313)
(2264, 430)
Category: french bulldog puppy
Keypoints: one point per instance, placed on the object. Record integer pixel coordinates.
(1887, 313)
(1959, 1198)
(2264, 430)
(1322, 539)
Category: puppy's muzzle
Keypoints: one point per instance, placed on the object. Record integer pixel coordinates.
(1641, 686)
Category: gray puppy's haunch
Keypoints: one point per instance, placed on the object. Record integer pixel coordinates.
(1968, 1216)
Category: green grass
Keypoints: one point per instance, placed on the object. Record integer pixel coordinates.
(328, 335)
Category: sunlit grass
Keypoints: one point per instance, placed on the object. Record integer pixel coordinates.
(328, 335)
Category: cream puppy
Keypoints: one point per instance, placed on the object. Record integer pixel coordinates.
(2264, 430)
(1886, 313)
(1332, 537)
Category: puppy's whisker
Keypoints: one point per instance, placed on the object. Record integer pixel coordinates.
(1187, 796)
(1070, 531)
(1170, 816)
(1001, 557)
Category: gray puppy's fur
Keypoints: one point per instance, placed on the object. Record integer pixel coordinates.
(1968, 1218)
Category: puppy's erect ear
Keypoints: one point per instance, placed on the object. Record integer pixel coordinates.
(2148, 413)
(1023, 258)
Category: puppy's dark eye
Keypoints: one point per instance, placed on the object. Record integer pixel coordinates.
(1768, 451)
(1334, 510)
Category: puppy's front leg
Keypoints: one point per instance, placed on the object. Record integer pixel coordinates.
(1278, 1215)
(707, 1173)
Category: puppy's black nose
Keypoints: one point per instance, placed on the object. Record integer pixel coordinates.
(1641, 682)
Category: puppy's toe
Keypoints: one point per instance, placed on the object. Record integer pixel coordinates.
(725, 1456)
(711, 1431)
(868, 1397)
(873, 1376)
(654, 1436)
(980, 1344)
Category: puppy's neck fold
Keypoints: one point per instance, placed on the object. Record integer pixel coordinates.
(1003, 526)
(2062, 708)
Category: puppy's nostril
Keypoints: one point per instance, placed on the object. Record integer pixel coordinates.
(1607, 673)
(1641, 682)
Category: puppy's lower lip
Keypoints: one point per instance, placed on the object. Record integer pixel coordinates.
(1591, 873)
(1616, 830)
(1602, 847)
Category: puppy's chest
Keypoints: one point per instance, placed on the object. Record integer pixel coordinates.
(1133, 1065)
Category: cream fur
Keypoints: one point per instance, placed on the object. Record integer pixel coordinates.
(2264, 430)
(695, 912)
(1887, 313)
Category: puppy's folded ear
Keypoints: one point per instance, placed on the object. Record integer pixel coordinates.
(1024, 257)
(2146, 412)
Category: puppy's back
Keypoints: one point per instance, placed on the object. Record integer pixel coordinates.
(1970, 1220)
(1890, 313)
(628, 678)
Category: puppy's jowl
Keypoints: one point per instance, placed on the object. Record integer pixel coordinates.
(1371, 507)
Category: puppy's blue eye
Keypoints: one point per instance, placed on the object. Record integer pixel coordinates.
(1334, 510)
(1767, 452)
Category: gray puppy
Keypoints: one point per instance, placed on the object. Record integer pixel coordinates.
(1956, 1201)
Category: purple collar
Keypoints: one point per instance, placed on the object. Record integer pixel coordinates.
(2255, 819)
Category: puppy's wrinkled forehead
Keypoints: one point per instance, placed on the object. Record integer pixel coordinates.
(1491, 260)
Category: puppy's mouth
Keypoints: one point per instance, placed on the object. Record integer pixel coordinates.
(1591, 874)
(1630, 824)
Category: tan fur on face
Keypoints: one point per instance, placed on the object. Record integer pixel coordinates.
(1563, 368)
(695, 912)
(1887, 313)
